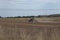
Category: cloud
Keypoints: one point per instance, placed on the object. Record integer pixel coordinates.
(28, 7)
(27, 4)
(47, 1)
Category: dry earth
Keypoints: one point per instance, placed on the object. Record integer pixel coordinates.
(20, 29)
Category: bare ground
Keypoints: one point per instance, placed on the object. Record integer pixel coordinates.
(12, 29)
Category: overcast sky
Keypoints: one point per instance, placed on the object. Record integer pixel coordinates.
(29, 7)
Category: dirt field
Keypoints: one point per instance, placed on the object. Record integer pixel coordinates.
(20, 29)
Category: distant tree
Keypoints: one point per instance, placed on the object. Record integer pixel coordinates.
(27, 16)
(32, 16)
(0, 17)
(15, 17)
(9, 17)
(54, 15)
(38, 16)
(23, 16)
(18, 17)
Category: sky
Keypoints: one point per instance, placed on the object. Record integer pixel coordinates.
(29, 7)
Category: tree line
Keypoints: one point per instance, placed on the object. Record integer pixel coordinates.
(53, 15)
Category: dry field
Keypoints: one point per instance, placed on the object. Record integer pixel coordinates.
(21, 29)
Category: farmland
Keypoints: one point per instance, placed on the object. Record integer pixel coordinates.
(21, 29)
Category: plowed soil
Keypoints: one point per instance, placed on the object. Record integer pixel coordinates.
(20, 29)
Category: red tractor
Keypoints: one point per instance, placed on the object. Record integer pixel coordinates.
(31, 20)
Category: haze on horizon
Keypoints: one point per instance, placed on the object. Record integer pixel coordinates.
(29, 7)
